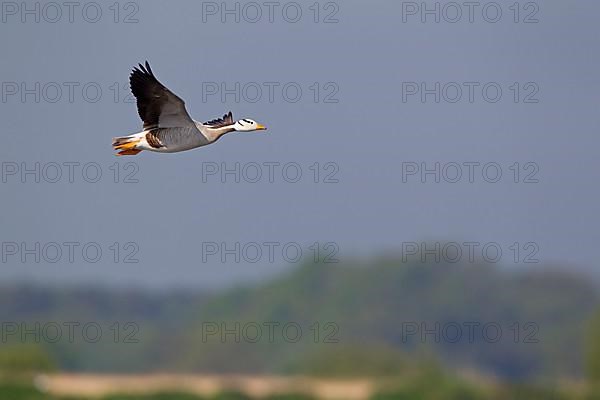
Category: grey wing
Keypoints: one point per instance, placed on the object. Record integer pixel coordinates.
(158, 107)
(176, 138)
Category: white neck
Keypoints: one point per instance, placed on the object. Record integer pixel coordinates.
(216, 133)
(213, 134)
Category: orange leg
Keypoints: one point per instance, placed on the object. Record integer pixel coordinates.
(131, 152)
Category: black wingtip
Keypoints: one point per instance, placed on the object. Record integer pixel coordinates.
(149, 69)
(143, 69)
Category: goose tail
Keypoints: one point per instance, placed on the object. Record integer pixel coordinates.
(127, 145)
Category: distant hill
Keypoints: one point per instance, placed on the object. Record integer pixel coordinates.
(354, 320)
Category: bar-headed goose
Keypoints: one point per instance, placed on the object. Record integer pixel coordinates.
(168, 128)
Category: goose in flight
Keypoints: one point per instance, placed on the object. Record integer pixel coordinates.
(168, 128)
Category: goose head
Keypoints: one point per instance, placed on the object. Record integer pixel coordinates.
(248, 125)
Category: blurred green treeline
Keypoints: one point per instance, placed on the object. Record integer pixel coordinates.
(354, 320)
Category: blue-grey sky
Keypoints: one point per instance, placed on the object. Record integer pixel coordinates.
(351, 119)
